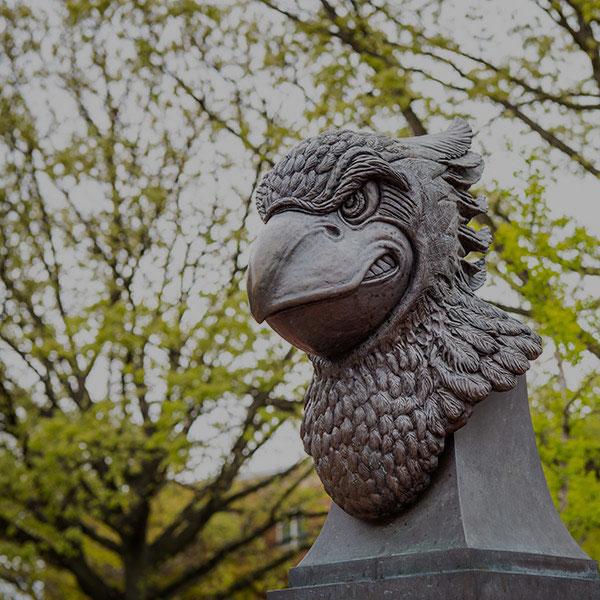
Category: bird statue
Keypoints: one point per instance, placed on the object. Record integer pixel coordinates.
(364, 263)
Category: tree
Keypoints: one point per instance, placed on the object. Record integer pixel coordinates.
(129, 360)
(129, 357)
(381, 55)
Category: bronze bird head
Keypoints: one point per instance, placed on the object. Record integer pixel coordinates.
(365, 264)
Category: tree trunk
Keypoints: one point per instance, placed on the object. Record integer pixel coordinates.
(135, 554)
(135, 571)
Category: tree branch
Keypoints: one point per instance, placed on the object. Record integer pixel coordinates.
(550, 138)
(247, 580)
(191, 575)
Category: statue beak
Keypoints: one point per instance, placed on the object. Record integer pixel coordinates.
(299, 259)
(325, 286)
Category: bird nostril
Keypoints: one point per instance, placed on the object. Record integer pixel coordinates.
(333, 231)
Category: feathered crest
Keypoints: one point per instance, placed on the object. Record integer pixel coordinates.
(452, 168)
(320, 172)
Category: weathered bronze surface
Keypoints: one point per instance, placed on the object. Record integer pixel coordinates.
(363, 264)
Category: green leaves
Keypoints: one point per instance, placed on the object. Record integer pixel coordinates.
(132, 134)
(548, 261)
(568, 432)
(129, 356)
(552, 265)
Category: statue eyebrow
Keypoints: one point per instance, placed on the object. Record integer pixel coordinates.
(351, 172)
(364, 167)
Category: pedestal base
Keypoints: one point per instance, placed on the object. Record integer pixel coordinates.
(486, 529)
(467, 585)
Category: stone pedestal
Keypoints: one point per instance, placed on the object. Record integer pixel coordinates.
(485, 530)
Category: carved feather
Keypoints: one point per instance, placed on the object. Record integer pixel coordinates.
(459, 355)
(530, 345)
(435, 413)
(482, 342)
(474, 241)
(501, 379)
(469, 207)
(454, 409)
(452, 143)
(475, 272)
(463, 178)
(512, 360)
(466, 386)
(468, 160)
(510, 326)
(463, 314)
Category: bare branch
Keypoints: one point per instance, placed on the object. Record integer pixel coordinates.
(256, 575)
(189, 576)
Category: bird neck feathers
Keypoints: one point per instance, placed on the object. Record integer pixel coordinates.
(375, 422)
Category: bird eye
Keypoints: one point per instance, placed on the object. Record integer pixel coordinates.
(361, 204)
